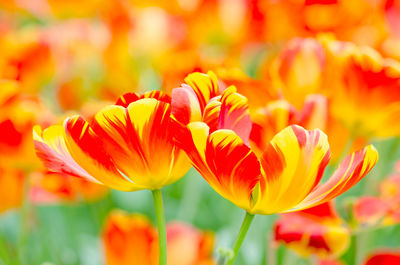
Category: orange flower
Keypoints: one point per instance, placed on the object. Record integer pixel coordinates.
(318, 230)
(127, 146)
(131, 239)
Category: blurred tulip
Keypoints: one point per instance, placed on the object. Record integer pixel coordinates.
(130, 239)
(383, 209)
(26, 58)
(19, 113)
(50, 188)
(360, 75)
(370, 210)
(315, 231)
(298, 69)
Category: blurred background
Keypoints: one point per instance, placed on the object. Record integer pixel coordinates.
(59, 58)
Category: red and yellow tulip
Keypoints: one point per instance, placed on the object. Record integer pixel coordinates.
(270, 183)
(128, 146)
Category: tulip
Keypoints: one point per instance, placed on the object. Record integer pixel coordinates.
(128, 146)
(284, 178)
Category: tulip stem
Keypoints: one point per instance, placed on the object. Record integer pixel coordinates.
(162, 234)
(242, 233)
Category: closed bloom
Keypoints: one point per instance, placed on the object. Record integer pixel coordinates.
(127, 146)
(284, 178)
(131, 239)
(317, 230)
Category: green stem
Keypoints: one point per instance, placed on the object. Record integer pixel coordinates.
(24, 222)
(162, 233)
(242, 233)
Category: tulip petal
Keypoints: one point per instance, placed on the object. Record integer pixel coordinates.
(128, 98)
(293, 165)
(212, 113)
(353, 168)
(139, 138)
(234, 114)
(205, 86)
(185, 105)
(52, 150)
(88, 148)
(225, 162)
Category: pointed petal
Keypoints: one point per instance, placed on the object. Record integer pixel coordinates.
(293, 165)
(353, 168)
(128, 98)
(235, 114)
(205, 86)
(52, 150)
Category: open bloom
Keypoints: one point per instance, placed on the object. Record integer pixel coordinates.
(284, 178)
(318, 230)
(214, 128)
(131, 239)
(127, 146)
